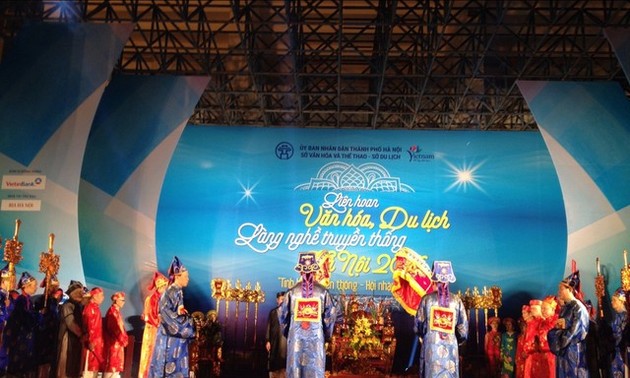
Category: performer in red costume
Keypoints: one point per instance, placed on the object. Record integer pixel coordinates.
(93, 324)
(521, 356)
(116, 337)
(152, 321)
(549, 318)
(493, 347)
(536, 365)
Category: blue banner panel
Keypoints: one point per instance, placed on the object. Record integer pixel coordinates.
(586, 127)
(240, 203)
(136, 128)
(50, 86)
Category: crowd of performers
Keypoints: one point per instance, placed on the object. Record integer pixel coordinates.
(64, 334)
(45, 334)
(560, 336)
(57, 335)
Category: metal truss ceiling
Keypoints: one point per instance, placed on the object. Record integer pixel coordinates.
(380, 64)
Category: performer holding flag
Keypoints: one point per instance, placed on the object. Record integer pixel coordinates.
(442, 324)
(411, 282)
(412, 279)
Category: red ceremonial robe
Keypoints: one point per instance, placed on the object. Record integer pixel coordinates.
(93, 324)
(116, 339)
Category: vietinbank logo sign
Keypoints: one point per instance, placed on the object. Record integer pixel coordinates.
(24, 182)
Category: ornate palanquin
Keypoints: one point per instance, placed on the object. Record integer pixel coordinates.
(363, 342)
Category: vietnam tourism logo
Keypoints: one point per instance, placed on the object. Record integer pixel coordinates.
(416, 154)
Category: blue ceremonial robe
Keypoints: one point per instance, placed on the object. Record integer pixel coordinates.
(19, 338)
(569, 344)
(617, 369)
(4, 315)
(306, 356)
(170, 355)
(47, 334)
(441, 330)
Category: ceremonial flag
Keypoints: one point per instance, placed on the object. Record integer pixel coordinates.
(324, 260)
(412, 279)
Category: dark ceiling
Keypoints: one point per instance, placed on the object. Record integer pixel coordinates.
(378, 64)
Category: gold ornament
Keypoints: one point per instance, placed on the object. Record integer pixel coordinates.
(13, 246)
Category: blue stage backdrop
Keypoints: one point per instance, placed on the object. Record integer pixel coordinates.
(240, 203)
(586, 127)
(136, 128)
(50, 85)
(511, 209)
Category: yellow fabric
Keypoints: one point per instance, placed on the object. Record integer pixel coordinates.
(148, 342)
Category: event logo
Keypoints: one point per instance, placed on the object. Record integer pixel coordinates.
(368, 177)
(284, 151)
(24, 182)
(415, 154)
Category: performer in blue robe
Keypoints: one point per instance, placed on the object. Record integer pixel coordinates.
(20, 329)
(568, 339)
(617, 369)
(5, 311)
(442, 324)
(46, 335)
(308, 316)
(170, 355)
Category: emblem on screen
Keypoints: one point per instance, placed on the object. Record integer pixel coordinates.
(284, 151)
(368, 177)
